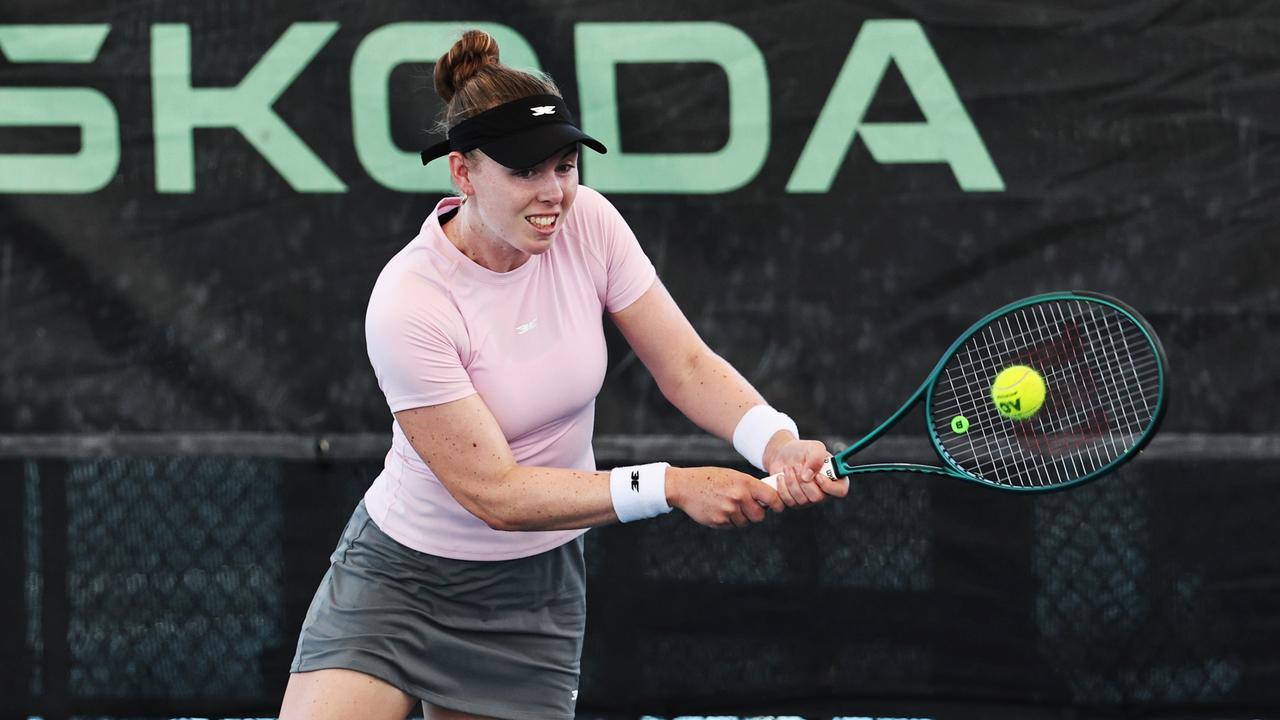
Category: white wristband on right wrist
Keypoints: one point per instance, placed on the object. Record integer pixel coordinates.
(756, 428)
(639, 491)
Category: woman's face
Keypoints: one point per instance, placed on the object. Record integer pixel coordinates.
(523, 209)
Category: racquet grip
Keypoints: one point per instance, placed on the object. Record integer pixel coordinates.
(827, 470)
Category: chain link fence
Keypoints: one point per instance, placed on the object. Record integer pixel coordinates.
(175, 585)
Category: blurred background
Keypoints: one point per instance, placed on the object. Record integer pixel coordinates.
(196, 198)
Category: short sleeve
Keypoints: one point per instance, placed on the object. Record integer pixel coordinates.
(416, 343)
(628, 271)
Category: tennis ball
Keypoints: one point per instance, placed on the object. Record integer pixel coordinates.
(1018, 392)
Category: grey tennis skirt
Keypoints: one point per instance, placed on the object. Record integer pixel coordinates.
(500, 638)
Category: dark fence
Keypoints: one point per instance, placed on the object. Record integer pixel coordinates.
(166, 585)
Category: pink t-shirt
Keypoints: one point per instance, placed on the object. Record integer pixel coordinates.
(530, 342)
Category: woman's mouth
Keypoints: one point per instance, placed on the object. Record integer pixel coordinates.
(545, 224)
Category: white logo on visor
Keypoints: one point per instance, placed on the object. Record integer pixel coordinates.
(543, 110)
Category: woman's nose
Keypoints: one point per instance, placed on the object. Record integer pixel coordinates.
(551, 190)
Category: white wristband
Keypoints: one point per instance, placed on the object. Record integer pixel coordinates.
(756, 428)
(639, 491)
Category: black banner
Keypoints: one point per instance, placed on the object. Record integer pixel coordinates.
(216, 277)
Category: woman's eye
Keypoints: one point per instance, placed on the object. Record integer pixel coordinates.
(565, 167)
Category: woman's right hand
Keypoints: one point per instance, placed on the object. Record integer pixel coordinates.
(719, 497)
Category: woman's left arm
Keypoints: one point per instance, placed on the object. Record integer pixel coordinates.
(715, 396)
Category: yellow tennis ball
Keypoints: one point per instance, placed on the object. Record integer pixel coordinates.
(1018, 392)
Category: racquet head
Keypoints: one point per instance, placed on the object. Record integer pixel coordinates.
(1103, 371)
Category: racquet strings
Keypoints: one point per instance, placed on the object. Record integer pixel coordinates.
(1102, 375)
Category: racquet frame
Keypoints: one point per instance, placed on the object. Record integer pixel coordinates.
(841, 467)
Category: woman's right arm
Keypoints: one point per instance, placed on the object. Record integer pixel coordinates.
(463, 445)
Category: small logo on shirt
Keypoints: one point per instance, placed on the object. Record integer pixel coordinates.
(635, 480)
(543, 110)
(526, 327)
(573, 696)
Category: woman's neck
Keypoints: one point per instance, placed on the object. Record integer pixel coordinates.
(466, 231)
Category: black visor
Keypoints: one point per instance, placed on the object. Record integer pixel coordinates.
(518, 134)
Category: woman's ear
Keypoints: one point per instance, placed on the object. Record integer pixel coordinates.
(460, 170)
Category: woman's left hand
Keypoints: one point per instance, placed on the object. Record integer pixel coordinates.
(802, 482)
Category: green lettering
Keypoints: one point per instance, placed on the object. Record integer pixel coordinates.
(602, 46)
(179, 108)
(52, 43)
(95, 165)
(378, 55)
(87, 171)
(947, 135)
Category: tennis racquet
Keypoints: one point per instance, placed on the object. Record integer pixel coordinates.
(1101, 400)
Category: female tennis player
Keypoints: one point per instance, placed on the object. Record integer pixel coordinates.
(459, 581)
